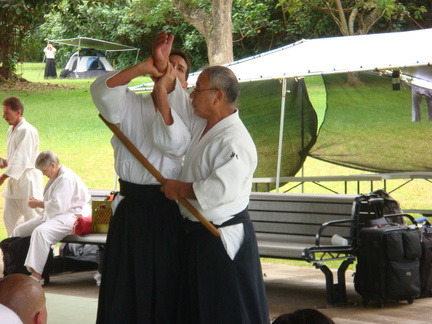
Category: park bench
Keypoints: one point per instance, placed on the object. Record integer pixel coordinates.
(286, 227)
(98, 239)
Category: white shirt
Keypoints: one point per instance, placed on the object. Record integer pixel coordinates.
(134, 114)
(8, 316)
(50, 54)
(66, 194)
(220, 165)
(22, 150)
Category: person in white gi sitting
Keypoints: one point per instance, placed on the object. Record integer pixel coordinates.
(66, 198)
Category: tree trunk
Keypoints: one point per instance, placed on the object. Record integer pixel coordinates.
(216, 26)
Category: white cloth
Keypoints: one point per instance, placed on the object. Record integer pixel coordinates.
(13, 209)
(221, 166)
(8, 316)
(24, 179)
(50, 53)
(134, 114)
(65, 198)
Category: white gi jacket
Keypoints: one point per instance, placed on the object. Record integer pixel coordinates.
(220, 165)
(22, 150)
(134, 114)
(66, 195)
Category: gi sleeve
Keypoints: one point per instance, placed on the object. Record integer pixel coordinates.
(173, 139)
(181, 103)
(109, 101)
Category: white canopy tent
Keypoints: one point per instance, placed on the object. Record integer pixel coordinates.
(90, 43)
(336, 55)
(374, 52)
(101, 45)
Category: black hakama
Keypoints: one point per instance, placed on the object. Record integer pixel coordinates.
(140, 276)
(50, 69)
(216, 289)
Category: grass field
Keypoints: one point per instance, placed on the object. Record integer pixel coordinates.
(68, 124)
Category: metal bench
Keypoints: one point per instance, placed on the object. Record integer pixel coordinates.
(98, 239)
(286, 226)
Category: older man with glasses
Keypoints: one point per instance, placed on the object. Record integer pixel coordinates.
(222, 279)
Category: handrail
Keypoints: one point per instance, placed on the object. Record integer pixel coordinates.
(383, 178)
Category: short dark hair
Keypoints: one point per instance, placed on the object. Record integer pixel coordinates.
(224, 79)
(184, 56)
(14, 103)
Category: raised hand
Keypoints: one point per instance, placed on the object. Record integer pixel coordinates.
(161, 50)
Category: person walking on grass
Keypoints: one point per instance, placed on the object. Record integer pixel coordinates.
(19, 166)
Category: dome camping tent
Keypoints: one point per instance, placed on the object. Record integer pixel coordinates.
(89, 61)
(84, 64)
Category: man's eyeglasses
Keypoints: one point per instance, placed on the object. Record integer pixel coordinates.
(199, 90)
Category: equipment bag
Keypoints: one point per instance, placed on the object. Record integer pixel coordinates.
(14, 254)
(426, 259)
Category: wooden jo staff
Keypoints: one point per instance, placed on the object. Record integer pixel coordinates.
(159, 177)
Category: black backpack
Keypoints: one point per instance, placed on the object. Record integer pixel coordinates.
(14, 254)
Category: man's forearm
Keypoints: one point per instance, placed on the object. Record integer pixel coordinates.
(126, 76)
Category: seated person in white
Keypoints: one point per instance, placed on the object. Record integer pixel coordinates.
(65, 199)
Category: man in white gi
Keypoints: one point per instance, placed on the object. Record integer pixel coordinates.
(24, 179)
(221, 277)
(65, 199)
(141, 263)
(22, 300)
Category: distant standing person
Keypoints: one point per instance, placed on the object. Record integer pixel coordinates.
(50, 66)
(24, 179)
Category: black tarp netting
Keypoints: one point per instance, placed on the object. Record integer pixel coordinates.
(369, 127)
(264, 109)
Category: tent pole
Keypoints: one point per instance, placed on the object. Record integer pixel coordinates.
(281, 129)
(78, 58)
(136, 58)
(43, 61)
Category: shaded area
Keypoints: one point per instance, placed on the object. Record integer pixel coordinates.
(264, 111)
(368, 127)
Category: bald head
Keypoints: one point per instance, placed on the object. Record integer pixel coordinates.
(25, 297)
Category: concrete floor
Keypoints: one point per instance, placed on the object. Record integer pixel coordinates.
(72, 298)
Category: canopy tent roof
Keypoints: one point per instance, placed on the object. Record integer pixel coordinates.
(101, 45)
(337, 55)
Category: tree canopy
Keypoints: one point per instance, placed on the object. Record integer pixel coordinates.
(211, 31)
(17, 18)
